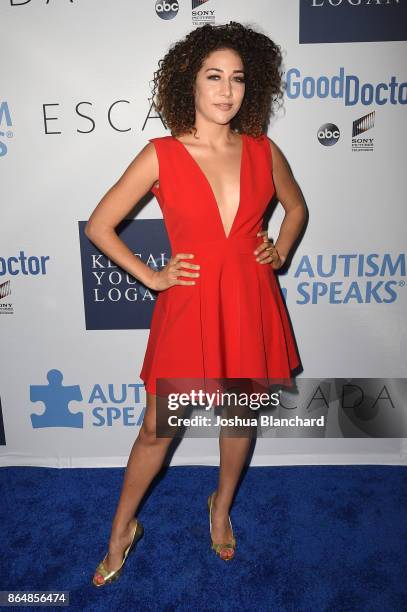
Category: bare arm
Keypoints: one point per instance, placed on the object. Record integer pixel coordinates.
(289, 194)
(135, 182)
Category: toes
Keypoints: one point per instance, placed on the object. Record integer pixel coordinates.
(98, 578)
(226, 553)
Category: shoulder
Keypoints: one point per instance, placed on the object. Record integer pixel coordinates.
(265, 144)
(157, 144)
(279, 161)
(280, 165)
(160, 139)
(270, 143)
(263, 141)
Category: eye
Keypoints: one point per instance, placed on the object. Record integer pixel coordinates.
(216, 76)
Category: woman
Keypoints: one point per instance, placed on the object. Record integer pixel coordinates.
(215, 90)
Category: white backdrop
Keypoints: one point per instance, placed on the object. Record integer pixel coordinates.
(62, 60)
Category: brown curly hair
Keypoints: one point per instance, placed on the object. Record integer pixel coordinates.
(175, 77)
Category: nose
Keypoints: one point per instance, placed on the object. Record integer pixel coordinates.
(226, 88)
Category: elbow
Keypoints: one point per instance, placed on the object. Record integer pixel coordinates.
(87, 229)
(300, 209)
(90, 229)
(301, 214)
(93, 230)
(304, 211)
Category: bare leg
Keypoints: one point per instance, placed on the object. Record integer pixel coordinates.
(233, 453)
(145, 461)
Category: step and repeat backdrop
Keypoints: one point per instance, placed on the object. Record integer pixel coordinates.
(75, 109)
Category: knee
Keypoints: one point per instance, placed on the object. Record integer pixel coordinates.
(148, 433)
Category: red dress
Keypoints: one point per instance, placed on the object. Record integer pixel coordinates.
(233, 322)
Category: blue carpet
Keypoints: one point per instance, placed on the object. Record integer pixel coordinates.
(309, 538)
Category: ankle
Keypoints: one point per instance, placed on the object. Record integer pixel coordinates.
(220, 507)
(121, 530)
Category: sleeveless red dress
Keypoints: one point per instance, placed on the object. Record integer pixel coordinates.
(233, 322)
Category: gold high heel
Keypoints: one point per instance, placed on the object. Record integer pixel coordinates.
(216, 546)
(110, 576)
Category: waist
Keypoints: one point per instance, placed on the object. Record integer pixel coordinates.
(233, 245)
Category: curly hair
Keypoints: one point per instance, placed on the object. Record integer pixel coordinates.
(175, 78)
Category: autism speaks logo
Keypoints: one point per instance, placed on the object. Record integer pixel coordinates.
(357, 278)
(106, 406)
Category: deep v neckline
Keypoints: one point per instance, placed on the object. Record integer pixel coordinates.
(210, 188)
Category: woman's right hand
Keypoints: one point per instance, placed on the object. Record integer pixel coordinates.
(167, 277)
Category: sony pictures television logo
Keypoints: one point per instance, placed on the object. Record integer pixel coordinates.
(361, 141)
(202, 16)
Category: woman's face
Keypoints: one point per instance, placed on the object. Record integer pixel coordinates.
(219, 86)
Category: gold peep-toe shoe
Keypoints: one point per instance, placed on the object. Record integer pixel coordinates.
(106, 576)
(217, 547)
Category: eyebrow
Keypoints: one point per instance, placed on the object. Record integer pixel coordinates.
(219, 70)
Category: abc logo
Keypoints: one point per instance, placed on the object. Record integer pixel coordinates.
(328, 134)
(166, 9)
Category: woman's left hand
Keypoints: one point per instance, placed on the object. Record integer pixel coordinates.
(267, 252)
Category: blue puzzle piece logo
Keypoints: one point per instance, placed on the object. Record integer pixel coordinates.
(56, 398)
